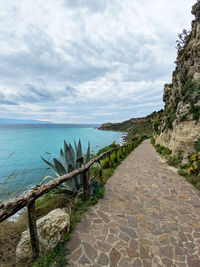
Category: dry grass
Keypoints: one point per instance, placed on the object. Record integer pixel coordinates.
(10, 233)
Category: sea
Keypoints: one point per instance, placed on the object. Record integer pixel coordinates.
(21, 146)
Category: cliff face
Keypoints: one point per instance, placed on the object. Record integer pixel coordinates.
(178, 126)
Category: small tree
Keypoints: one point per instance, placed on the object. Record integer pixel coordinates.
(184, 38)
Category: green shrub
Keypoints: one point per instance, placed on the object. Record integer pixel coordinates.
(156, 125)
(174, 160)
(105, 163)
(191, 91)
(152, 141)
(184, 117)
(164, 151)
(182, 172)
(195, 111)
(169, 120)
(106, 148)
(197, 146)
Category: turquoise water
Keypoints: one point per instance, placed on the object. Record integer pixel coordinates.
(22, 145)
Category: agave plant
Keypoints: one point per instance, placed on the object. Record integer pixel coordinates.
(68, 161)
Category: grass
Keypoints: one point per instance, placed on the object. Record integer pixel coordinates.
(10, 234)
(192, 179)
(197, 146)
(50, 201)
(163, 151)
(175, 160)
(172, 160)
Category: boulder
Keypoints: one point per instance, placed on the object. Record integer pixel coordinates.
(51, 229)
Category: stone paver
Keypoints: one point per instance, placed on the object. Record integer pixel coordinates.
(150, 216)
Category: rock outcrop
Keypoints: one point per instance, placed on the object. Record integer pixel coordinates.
(178, 126)
(51, 229)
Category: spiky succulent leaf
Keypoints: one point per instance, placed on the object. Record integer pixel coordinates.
(79, 150)
(69, 156)
(75, 145)
(71, 182)
(70, 160)
(59, 167)
(49, 163)
(46, 178)
(88, 153)
(77, 182)
(72, 152)
(64, 161)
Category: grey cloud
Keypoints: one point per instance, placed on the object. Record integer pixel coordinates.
(32, 94)
(101, 53)
(92, 5)
(7, 102)
(42, 60)
(71, 90)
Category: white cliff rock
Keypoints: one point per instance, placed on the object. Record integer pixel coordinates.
(51, 229)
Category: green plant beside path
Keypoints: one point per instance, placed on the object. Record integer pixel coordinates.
(191, 170)
(58, 255)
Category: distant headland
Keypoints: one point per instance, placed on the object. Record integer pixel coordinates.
(8, 120)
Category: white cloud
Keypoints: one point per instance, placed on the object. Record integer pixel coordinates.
(85, 60)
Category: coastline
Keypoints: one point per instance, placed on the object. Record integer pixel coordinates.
(28, 175)
(124, 137)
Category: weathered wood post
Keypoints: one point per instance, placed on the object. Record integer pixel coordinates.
(100, 173)
(122, 149)
(33, 231)
(110, 162)
(85, 184)
(116, 158)
(132, 145)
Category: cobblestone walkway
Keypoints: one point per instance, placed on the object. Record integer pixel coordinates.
(150, 216)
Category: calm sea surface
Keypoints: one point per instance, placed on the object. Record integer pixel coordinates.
(21, 146)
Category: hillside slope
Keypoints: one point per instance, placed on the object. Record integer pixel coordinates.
(178, 126)
(141, 126)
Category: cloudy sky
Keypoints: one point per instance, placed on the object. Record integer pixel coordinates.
(87, 61)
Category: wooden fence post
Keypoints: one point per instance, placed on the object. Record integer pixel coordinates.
(116, 158)
(33, 231)
(122, 149)
(100, 173)
(85, 184)
(110, 162)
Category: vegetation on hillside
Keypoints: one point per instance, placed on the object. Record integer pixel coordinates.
(190, 97)
(191, 170)
(140, 126)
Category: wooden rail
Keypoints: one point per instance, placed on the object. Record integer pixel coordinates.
(8, 209)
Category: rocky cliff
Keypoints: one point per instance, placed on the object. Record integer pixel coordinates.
(178, 126)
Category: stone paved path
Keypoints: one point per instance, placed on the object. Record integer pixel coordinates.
(150, 216)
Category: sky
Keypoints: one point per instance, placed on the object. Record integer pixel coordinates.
(87, 61)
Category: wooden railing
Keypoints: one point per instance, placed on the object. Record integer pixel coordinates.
(8, 209)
